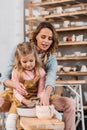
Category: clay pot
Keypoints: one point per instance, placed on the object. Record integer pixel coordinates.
(45, 112)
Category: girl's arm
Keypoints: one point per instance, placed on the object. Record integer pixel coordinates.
(41, 84)
(15, 79)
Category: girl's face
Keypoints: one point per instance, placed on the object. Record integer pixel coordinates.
(28, 62)
(44, 39)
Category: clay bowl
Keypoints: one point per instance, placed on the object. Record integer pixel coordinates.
(25, 111)
(66, 69)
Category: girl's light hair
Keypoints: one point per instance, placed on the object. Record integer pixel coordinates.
(24, 49)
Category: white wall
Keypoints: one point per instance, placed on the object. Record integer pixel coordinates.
(11, 28)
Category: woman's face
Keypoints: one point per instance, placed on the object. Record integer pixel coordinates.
(44, 39)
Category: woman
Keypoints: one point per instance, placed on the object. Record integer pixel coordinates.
(46, 40)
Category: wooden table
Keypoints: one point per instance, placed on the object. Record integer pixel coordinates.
(41, 124)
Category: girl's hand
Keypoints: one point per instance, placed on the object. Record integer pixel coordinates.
(28, 103)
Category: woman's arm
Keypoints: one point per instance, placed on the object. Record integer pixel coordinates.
(7, 73)
(51, 69)
(6, 76)
(15, 79)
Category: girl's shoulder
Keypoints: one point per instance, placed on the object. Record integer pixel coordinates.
(14, 71)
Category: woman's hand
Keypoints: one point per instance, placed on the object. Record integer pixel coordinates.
(20, 88)
(16, 85)
(45, 96)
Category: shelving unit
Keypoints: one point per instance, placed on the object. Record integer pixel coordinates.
(77, 15)
(65, 47)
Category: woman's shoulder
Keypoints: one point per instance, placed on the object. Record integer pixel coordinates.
(51, 62)
(51, 58)
(42, 71)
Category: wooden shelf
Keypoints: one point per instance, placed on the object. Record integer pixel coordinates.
(72, 58)
(85, 108)
(66, 29)
(69, 14)
(63, 82)
(72, 73)
(72, 43)
(53, 3)
(72, 28)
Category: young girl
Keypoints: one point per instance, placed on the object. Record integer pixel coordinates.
(28, 72)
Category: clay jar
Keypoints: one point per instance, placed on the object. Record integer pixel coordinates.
(83, 68)
(66, 23)
(44, 112)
